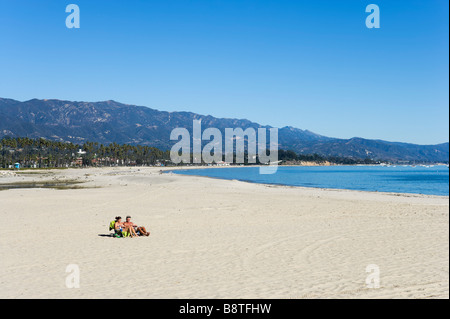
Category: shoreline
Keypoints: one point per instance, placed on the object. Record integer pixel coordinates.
(169, 170)
(304, 187)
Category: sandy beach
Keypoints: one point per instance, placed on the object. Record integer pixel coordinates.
(217, 239)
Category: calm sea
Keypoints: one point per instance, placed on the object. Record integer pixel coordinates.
(433, 180)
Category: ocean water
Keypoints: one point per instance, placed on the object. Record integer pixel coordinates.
(432, 180)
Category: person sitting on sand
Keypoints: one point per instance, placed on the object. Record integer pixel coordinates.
(120, 227)
(141, 229)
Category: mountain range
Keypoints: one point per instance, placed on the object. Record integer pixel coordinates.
(111, 121)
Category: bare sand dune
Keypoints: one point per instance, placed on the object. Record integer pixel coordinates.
(218, 239)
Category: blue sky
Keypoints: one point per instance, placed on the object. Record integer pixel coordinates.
(308, 64)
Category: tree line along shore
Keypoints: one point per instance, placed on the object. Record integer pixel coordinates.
(43, 153)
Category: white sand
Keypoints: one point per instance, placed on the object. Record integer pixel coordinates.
(218, 239)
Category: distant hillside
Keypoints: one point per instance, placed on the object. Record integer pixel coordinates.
(110, 121)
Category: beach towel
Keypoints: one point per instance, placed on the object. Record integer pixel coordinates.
(118, 233)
